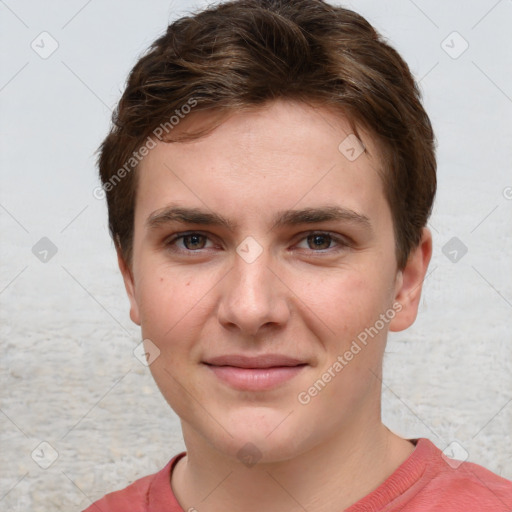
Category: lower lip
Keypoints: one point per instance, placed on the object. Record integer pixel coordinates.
(255, 379)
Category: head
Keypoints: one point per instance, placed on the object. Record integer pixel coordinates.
(288, 140)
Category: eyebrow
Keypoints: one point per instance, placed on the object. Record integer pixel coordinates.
(282, 218)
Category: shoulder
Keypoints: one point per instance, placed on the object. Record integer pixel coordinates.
(136, 497)
(133, 497)
(464, 486)
(476, 482)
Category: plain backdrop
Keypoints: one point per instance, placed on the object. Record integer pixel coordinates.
(73, 395)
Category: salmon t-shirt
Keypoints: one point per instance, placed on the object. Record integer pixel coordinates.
(426, 481)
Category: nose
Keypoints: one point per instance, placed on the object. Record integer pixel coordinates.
(253, 297)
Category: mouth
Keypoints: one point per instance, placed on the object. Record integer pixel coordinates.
(254, 362)
(258, 373)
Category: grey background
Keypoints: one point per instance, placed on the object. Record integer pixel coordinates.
(69, 377)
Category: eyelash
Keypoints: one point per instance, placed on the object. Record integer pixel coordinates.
(170, 243)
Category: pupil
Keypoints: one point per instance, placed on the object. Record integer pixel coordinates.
(194, 239)
(316, 238)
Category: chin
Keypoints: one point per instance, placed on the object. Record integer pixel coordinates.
(262, 435)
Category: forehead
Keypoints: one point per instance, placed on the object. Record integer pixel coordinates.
(270, 158)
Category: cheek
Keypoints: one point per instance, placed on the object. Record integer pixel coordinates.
(165, 303)
(344, 301)
(175, 305)
(172, 316)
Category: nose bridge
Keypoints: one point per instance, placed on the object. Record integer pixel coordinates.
(252, 296)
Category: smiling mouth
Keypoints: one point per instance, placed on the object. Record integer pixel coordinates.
(255, 379)
(255, 362)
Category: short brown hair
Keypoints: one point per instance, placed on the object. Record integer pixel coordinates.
(243, 53)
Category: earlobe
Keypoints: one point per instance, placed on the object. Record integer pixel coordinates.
(129, 286)
(410, 283)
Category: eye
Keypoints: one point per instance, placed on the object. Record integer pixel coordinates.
(192, 241)
(321, 241)
(195, 242)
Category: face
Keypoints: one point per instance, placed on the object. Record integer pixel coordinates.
(262, 256)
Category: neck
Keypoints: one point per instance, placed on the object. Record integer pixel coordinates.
(329, 477)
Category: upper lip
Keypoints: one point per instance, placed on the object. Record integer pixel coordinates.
(262, 361)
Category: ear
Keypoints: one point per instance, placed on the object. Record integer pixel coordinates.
(129, 285)
(409, 283)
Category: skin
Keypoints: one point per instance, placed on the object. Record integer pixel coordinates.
(300, 297)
